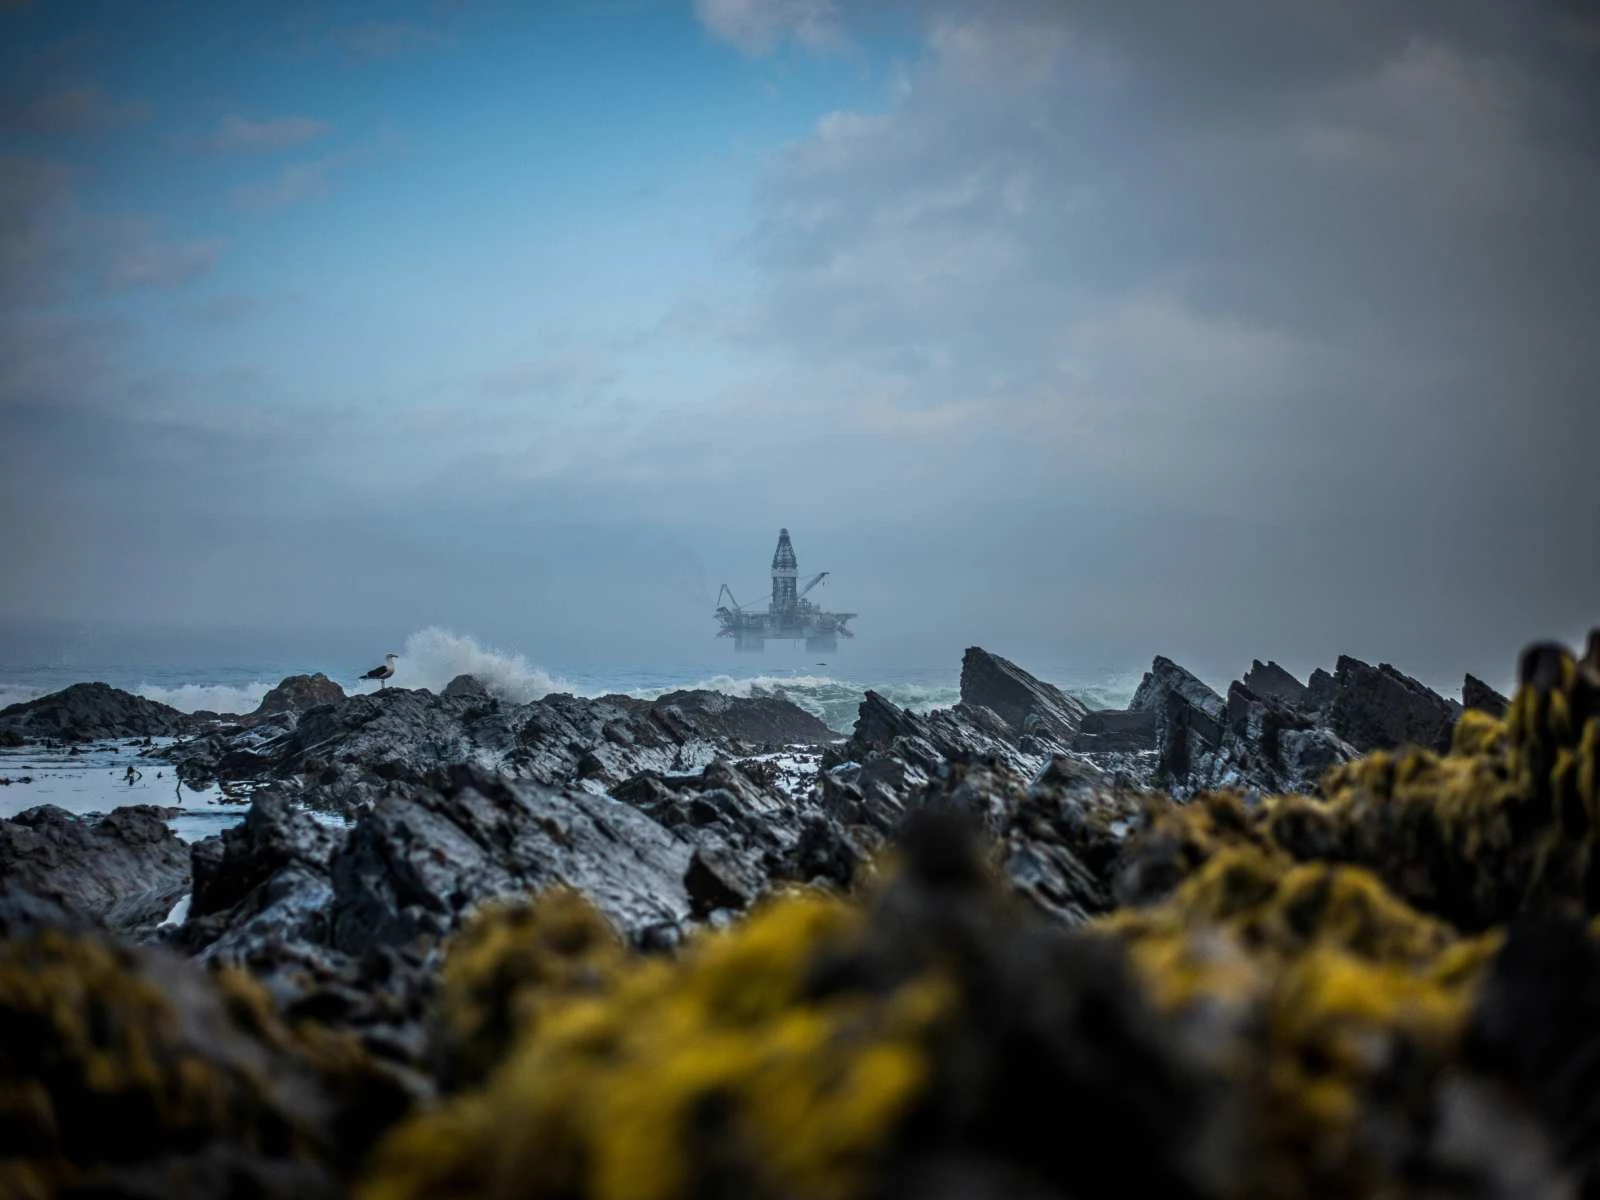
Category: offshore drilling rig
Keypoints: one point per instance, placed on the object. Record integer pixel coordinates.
(788, 616)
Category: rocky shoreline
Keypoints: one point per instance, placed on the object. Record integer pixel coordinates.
(436, 903)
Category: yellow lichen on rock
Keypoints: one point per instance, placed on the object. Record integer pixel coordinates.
(721, 1061)
(1506, 824)
(513, 958)
(118, 1064)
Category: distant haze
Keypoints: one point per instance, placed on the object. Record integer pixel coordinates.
(1079, 329)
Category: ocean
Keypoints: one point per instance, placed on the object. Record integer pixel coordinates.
(431, 658)
(92, 778)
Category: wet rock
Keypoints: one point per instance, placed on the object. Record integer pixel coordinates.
(465, 687)
(427, 853)
(345, 752)
(297, 693)
(1190, 719)
(1116, 730)
(124, 870)
(265, 880)
(1271, 682)
(1025, 704)
(89, 712)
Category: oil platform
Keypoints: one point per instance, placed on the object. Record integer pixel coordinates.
(789, 616)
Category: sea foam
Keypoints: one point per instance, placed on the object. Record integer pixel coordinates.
(433, 657)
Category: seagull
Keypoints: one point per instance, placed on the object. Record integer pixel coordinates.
(383, 672)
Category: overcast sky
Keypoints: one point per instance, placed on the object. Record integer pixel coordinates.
(1080, 329)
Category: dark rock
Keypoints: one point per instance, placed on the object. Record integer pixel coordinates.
(1190, 718)
(1271, 682)
(298, 693)
(1250, 742)
(466, 687)
(89, 712)
(1116, 730)
(1320, 689)
(712, 881)
(1378, 708)
(345, 752)
(427, 853)
(1475, 693)
(1025, 704)
(763, 720)
(124, 871)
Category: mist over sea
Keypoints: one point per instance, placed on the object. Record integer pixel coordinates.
(225, 676)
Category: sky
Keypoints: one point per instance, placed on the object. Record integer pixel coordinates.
(1080, 330)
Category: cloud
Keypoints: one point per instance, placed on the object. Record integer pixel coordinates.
(147, 262)
(1309, 313)
(293, 184)
(236, 134)
(81, 109)
(758, 27)
(388, 39)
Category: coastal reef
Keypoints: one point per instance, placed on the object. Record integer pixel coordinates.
(954, 981)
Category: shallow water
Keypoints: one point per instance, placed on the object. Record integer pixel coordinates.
(93, 780)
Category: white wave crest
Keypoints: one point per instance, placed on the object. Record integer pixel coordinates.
(18, 693)
(208, 697)
(434, 656)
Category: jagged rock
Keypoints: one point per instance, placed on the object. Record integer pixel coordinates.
(1271, 682)
(89, 712)
(428, 852)
(1378, 708)
(298, 693)
(1190, 718)
(1249, 742)
(265, 879)
(467, 687)
(124, 870)
(1477, 694)
(1116, 730)
(1025, 704)
(345, 752)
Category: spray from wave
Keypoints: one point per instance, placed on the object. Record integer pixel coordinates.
(434, 656)
(207, 697)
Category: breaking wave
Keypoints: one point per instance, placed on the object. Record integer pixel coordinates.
(434, 656)
(18, 693)
(207, 697)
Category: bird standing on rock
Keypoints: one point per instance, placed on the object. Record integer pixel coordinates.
(382, 673)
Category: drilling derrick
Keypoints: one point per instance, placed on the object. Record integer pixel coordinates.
(789, 616)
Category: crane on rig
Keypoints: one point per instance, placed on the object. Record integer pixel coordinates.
(789, 615)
